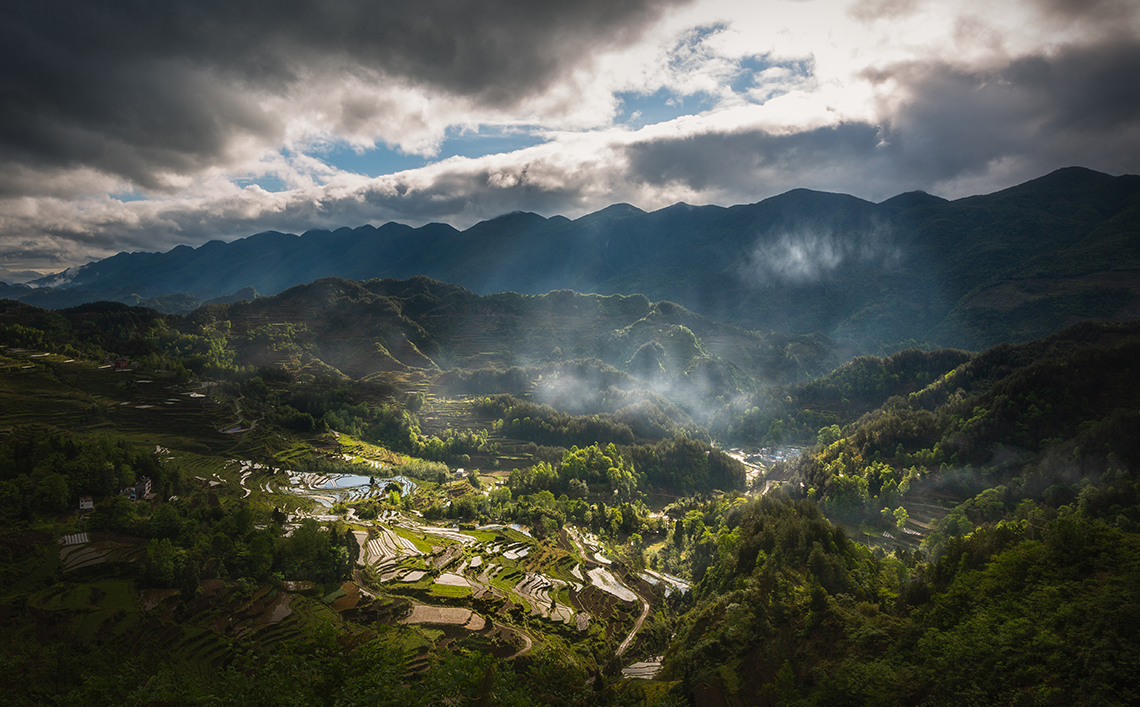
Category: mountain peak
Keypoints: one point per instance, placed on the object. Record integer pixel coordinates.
(620, 209)
(912, 199)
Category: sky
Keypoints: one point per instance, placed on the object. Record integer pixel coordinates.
(134, 125)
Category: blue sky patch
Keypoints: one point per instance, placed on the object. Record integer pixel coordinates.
(373, 163)
(128, 196)
(382, 160)
(492, 141)
(638, 109)
(268, 182)
(750, 66)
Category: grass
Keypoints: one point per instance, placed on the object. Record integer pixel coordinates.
(362, 450)
(430, 634)
(512, 535)
(421, 544)
(117, 594)
(293, 452)
(483, 536)
(334, 595)
(445, 590)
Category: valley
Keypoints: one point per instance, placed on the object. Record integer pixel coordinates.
(493, 585)
(610, 353)
(359, 474)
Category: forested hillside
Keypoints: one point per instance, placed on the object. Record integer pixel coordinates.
(1035, 609)
(1013, 423)
(402, 492)
(1013, 265)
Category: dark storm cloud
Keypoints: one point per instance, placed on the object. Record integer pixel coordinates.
(1092, 89)
(1095, 10)
(1080, 106)
(146, 90)
(39, 251)
(719, 160)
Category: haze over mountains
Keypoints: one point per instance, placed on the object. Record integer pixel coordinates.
(1011, 265)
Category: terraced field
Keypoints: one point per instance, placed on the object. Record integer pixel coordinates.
(442, 413)
(207, 631)
(404, 556)
(491, 564)
(481, 585)
(82, 550)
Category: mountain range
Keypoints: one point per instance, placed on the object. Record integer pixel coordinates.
(962, 527)
(1008, 266)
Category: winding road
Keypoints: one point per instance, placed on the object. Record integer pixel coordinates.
(238, 430)
(636, 626)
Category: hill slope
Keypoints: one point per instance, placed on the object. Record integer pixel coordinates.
(1012, 265)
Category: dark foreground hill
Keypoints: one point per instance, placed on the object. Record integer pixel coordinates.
(1005, 496)
(1012, 265)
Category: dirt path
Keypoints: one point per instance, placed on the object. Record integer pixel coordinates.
(636, 626)
(526, 638)
(252, 424)
(581, 550)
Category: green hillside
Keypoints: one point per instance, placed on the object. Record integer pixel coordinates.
(1014, 265)
(1031, 610)
(399, 491)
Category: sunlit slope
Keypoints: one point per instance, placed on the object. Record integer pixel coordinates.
(421, 327)
(1037, 421)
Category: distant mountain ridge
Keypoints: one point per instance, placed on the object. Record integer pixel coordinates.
(17, 276)
(1011, 265)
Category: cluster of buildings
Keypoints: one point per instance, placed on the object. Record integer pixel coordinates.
(140, 490)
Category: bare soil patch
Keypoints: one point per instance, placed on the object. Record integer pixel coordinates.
(448, 615)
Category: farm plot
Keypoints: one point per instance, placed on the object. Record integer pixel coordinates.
(329, 489)
(671, 583)
(516, 551)
(429, 560)
(539, 591)
(644, 669)
(602, 579)
(386, 550)
(452, 534)
(452, 579)
(588, 545)
(496, 565)
(475, 575)
(355, 450)
(447, 615)
(85, 553)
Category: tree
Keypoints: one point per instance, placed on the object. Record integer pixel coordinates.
(828, 435)
(615, 522)
(776, 432)
(578, 488)
(53, 494)
(165, 522)
(163, 563)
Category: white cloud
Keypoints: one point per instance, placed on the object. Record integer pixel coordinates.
(872, 97)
